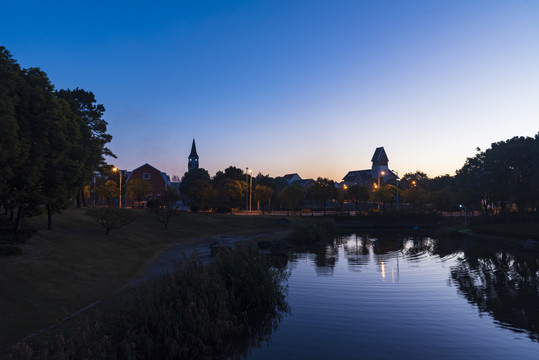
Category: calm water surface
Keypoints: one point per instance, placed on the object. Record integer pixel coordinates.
(398, 297)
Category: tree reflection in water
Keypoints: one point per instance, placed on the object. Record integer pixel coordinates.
(501, 282)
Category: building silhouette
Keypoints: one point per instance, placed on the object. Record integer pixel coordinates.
(192, 163)
(370, 176)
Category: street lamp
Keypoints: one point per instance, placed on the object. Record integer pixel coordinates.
(250, 188)
(465, 211)
(397, 179)
(246, 189)
(120, 198)
(379, 173)
(397, 182)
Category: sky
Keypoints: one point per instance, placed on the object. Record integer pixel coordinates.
(287, 86)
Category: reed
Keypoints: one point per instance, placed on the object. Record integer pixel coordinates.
(200, 311)
(312, 231)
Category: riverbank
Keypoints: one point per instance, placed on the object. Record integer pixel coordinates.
(471, 225)
(75, 264)
(198, 311)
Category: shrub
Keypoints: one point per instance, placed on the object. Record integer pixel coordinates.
(314, 230)
(197, 312)
(110, 218)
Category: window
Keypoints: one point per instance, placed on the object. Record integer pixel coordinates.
(146, 176)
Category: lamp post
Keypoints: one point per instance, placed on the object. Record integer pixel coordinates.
(250, 188)
(397, 182)
(397, 179)
(246, 189)
(379, 173)
(465, 211)
(120, 198)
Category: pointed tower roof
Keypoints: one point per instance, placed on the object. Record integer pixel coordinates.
(193, 150)
(380, 157)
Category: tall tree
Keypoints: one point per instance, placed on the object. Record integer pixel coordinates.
(263, 194)
(291, 196)
(11, 150)
(357, 194)
(418, 178)
(163, 207)
(138, 189)
(63, 174)
(323, 190)
(109, 191)
(231, 192)
(36, 113)
(43, 142)
(95, 138)
(192, 175)
(201, 194)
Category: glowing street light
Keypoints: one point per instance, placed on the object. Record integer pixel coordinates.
(250, 188)
(397, 179)
(379, 173)
(465, 212)
(246, 189)
(120, 198)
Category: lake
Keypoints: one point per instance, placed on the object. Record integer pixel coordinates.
(387, 296)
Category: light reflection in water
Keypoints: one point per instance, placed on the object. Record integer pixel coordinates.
(446, 300)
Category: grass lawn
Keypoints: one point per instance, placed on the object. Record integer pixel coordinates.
(75, 264)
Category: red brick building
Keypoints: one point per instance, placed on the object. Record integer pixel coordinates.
(159, 180)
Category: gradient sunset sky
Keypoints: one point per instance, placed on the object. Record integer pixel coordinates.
(309, 86)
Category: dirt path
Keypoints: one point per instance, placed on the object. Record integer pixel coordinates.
(166, 261)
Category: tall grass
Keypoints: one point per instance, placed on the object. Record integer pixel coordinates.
(313, 231)
(198, 312)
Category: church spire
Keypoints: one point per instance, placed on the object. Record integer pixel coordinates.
(192, 164)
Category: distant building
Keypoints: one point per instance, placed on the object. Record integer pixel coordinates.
(192, 163)
(159, 180)
(306, 183)
(291, 178)
(369, 177)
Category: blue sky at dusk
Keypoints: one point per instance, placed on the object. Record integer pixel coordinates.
(311, 87)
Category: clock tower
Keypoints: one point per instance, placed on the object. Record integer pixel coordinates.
(192, 164)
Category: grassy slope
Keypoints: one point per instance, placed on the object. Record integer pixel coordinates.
(75, 264)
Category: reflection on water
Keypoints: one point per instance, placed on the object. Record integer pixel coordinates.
(386, 296)
(502, 284)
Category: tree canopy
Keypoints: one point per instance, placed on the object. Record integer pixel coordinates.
(51, 141)
(507, 172)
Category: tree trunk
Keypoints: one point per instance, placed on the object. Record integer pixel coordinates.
(18, 221)
(83, 198)
(49, 217)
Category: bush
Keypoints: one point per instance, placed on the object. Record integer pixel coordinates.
(198, 312)
(111, 218)
(314, 230)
